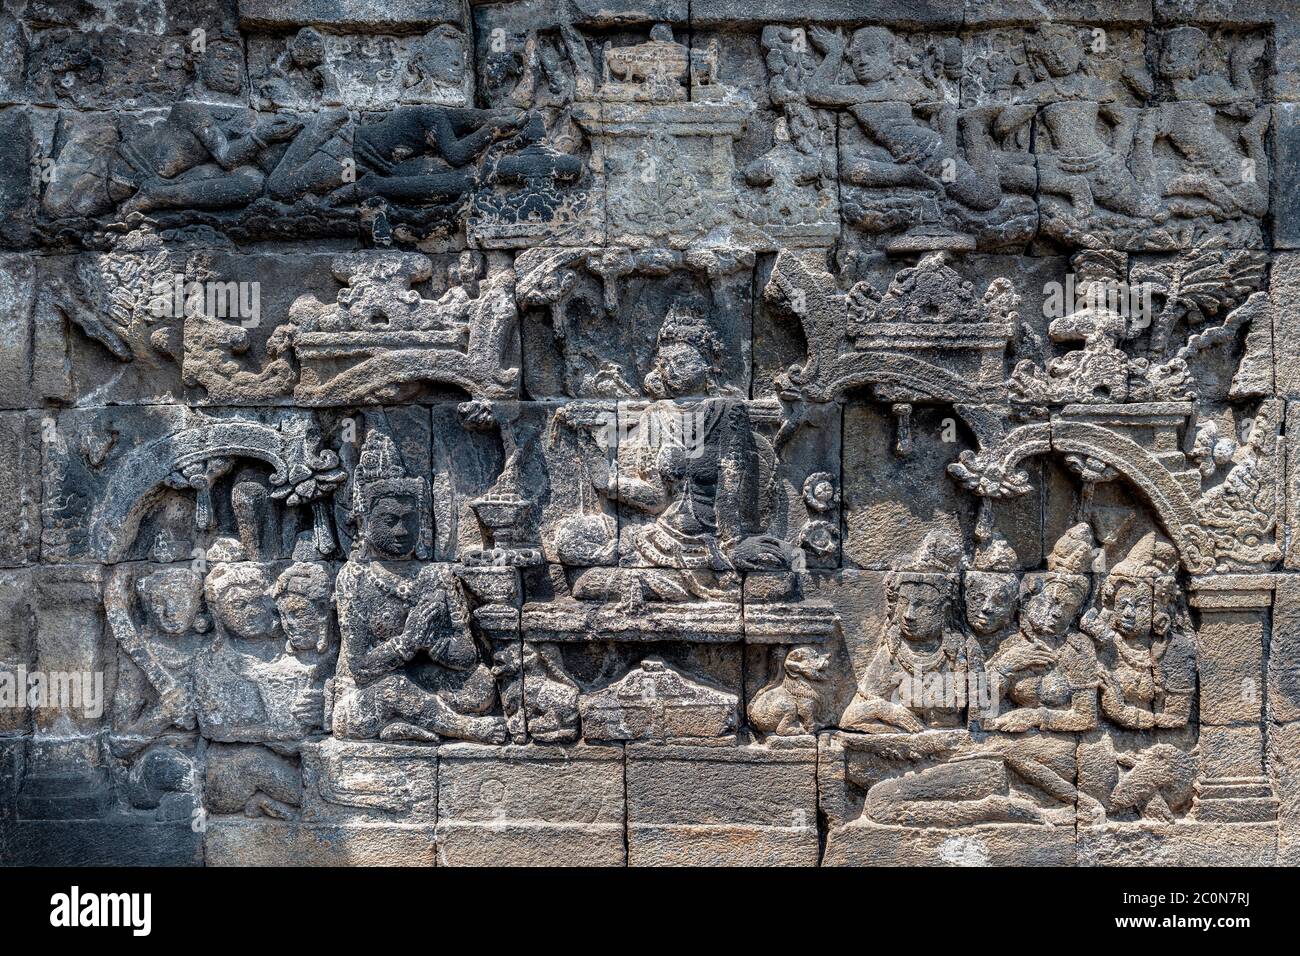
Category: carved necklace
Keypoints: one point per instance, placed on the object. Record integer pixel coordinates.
(390, 584)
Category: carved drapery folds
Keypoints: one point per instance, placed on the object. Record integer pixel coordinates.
(476, 424)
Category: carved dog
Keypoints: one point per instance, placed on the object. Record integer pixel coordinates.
(792, 702)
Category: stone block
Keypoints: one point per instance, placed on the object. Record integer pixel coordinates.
(710, 806)
(232, 841)
(348, 783)
(540, 806)
(863, 843)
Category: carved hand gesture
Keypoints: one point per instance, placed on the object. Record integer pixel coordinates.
(1025, 657)
(826, 39)
(309, 706)
(1017, 721)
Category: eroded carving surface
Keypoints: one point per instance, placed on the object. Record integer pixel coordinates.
(537, 432)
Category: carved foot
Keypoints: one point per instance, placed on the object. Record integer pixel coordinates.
(400, 730)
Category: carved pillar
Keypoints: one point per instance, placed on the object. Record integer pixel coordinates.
(64, 776)
(1235, 612)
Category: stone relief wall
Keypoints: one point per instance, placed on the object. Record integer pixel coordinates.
(644, 432)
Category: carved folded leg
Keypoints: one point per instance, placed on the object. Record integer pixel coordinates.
(956, 794)
(469, 692)
(314, 161)
(871, 173)
(1115, 188)
(1045, 761)
(204, 187)
(364, 713)
(1073, 188)
(1206, 187)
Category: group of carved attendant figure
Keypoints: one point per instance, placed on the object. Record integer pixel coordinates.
(1023, 708)
(992, 696)
(256, 667)
(1097, 148)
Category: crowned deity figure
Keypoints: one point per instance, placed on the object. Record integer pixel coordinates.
(703, 474)
(409, 666)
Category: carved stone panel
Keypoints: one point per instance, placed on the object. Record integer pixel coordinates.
(642, 433)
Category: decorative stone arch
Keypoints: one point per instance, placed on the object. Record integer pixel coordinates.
(1168, 499)
(138, 478)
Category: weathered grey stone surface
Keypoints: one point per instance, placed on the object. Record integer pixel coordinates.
(598, 432)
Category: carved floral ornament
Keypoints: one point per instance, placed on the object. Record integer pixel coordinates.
(900, 405)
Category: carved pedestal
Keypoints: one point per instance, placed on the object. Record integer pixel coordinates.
(1235, 611)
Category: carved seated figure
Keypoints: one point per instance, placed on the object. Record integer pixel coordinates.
(921, 650)
(252, 684)
(697, 469)
(409, 666)
(200, 157)
(1080, 164)
(1216, 176)
(1147, 650)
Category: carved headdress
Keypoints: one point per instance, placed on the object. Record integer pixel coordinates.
(936, 563)
(685, 325)
(1073, 552)
(1071, 561)
(381, 473)
(1153, 561)
(1150, 558)
(995, 556)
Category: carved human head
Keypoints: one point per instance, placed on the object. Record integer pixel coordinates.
(782, 59)
(870, 54)
(990, 589)
(239, 597)
(1180, 53)
(1056, 47)
(685, 357)
(386, 501)
(221, 67)
(1141, 592)
(171, 599)
(1051, 602)
(302, 596)
(921, 595)
(307, 48)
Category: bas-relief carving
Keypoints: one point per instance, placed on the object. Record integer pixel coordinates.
(506, 464)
